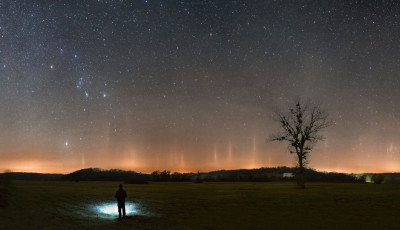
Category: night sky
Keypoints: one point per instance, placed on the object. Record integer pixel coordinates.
(192, 85)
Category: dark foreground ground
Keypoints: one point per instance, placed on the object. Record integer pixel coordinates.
(66, 205)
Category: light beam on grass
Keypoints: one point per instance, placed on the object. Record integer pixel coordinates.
(110, 209)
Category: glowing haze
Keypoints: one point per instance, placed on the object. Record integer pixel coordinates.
(191, 85)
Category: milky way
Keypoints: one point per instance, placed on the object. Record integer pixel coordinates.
(191, 85)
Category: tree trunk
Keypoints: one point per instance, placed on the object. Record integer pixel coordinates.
(300, 178)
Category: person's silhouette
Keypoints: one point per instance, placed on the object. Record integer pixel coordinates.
(121, 195)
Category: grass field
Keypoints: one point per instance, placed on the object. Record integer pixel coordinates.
(67, 205)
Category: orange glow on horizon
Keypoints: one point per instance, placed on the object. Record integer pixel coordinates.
(45, 167)
(216, 158)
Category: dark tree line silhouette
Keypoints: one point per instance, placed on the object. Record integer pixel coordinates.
(250, 175)
(239, 175)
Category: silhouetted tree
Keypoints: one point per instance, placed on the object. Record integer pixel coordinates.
(362, 178)
(156, 175)
(301, 127)
(176, 176)
(161, 175)
(198, 178)
(165, 175)
(378, 178)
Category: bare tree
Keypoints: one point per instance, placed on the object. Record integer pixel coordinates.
(301, 127)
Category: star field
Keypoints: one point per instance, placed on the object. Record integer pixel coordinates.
(192, 85)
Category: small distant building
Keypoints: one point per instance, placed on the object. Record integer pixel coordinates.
(287, 175)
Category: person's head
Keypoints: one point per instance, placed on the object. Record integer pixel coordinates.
(120, 186)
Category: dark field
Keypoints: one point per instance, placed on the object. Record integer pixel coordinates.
(66, 205)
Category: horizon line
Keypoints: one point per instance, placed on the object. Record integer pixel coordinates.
(188, 172)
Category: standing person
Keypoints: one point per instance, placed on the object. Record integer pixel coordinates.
(121, 195)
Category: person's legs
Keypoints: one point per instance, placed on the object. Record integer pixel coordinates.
(119, 210)
(123, 209)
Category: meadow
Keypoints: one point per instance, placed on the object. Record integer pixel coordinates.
(169, 205)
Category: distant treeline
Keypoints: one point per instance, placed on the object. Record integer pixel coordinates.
(276, 174)
(95, 174)
(239, 175)
(32, 176)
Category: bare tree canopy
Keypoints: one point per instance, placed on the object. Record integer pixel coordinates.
(301, 127)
